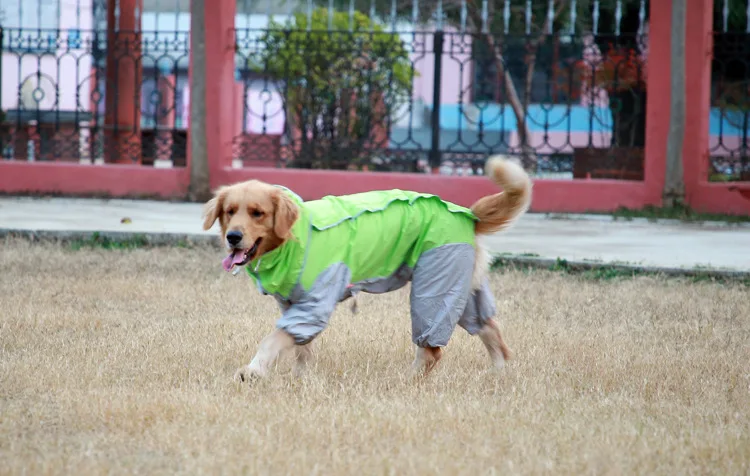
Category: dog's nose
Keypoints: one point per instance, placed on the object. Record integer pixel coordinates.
(234, 237)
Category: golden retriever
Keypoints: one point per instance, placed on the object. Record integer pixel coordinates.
(256, 218)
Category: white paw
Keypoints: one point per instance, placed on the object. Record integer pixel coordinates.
(248, 374)
(498, 362)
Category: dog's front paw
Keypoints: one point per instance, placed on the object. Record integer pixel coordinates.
(248, 375)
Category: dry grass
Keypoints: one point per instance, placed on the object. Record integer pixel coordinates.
(121, 361)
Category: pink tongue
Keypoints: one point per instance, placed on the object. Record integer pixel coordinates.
(235, 258)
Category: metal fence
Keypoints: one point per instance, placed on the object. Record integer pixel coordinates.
(406, 85)
(729, 149)
(428, 88)
(85, 97)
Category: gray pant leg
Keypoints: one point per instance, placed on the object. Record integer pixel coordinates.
(440, 289)
(480, 309)
(309, 314)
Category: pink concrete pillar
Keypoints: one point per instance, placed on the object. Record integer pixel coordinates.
(658, 100)
(699, 52)
(220, 91)
(124, 80)
(167, 87)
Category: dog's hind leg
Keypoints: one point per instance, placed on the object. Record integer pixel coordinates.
(493, 341)
(477, 320)
(303, 354)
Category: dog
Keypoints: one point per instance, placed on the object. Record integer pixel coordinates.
(313, 255)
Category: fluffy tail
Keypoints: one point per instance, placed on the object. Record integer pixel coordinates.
(499, 211)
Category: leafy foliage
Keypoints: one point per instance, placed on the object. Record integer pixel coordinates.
(617, 70)
(343, 80)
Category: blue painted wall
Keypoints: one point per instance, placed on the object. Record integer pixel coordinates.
(561, 118)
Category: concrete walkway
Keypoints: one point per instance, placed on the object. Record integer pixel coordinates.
(665, 244)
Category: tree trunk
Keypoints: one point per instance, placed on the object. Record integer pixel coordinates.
(528, 155)
(674, 183)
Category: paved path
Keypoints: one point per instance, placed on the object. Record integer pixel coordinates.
(575, 238)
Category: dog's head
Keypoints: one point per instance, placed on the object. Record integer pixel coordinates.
(255, 218)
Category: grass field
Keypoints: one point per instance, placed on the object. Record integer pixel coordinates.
(120, 361)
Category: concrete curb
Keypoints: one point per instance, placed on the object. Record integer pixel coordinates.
(637, 220)
(187, 239)
(581, 266)
(147, 238)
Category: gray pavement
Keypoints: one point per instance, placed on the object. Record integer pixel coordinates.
(665, 244)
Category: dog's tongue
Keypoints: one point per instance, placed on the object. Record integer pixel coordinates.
(234, 258)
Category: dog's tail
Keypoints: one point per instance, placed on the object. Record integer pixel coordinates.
(499, 211)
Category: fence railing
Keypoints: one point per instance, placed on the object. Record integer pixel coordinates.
(729, 148)
(417, 99)
(89, 98)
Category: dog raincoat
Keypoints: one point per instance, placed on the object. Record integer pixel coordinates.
(377, 242)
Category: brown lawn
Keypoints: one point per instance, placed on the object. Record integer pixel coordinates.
(121, 362)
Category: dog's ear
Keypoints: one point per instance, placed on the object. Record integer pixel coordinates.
(212, 208)
(285, 214)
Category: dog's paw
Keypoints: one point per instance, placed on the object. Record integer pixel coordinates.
(247, 375)
(498, 363)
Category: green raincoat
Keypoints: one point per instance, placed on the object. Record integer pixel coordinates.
(376, 242)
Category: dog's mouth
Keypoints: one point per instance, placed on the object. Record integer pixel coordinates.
(241, 256)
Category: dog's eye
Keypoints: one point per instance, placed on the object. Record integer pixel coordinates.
(256, 213)
(231, 211)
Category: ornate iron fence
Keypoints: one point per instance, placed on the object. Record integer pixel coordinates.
(72, 95)
(354, 89)
(730, 113)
